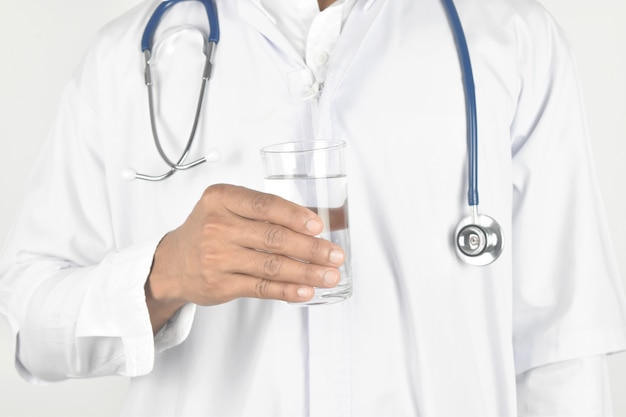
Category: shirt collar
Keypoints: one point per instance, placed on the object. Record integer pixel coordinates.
(259, 4)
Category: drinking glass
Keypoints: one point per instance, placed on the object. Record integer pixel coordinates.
(313, 174)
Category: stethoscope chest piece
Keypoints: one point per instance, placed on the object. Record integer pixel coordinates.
(479, 240)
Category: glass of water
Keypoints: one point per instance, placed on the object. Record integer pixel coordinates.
(312, 174)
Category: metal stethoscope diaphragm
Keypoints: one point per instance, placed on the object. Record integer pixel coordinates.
(479, 240)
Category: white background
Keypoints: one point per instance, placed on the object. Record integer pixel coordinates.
(41, 42)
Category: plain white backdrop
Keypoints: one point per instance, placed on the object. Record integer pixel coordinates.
(41, 42)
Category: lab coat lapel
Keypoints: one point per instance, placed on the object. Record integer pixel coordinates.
(253, 13)
(356, 27)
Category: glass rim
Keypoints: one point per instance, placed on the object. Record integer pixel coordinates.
(324, 145)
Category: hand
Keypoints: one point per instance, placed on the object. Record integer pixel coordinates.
(239, 242)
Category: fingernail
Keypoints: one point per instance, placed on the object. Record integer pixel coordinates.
(330, 277)
(313, 226)
(304, 292)
(336, 257)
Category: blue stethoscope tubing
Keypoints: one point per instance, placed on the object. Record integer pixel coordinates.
(153, 23)
(478, 238)
(470, 100)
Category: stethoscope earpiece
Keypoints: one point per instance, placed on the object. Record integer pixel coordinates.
(479, 240)
(212, 156)
(129, 174)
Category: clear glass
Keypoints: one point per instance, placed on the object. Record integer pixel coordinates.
(313, 174)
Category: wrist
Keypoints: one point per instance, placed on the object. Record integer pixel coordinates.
(160, 309)
(160, 289)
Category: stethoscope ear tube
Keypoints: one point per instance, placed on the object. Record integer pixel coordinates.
(146, 46)
(163, 7)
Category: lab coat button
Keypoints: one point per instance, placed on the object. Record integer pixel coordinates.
(321, 58)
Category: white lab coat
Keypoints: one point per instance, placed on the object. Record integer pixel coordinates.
(423, 334)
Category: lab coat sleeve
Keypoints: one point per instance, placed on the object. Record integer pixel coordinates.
(578, 387)
(567, 297)
(74, 300)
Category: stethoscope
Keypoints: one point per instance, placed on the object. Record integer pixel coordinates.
(210, 43)
(478, 238)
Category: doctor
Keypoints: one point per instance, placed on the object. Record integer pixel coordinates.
(168, 282)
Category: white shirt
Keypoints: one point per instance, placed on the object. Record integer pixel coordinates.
(313, 33)
(423, 334)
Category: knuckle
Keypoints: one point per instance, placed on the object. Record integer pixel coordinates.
(310, 274)
(316, 248)
(211, 288)
(272, 265)
(211, 260)
(261, 203)
(213, 190)
(212, 228)
(262, 288)
(274, 237)
(218, 227)
(214, 236)
(215, 195)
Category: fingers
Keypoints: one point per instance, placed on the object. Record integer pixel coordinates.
(278, 239)
(239, 242)
(254, 287)
(269, 223)
(273, 267)
(271, 290)
(255, 205)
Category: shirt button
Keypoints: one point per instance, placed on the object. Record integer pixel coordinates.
(321, 58)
